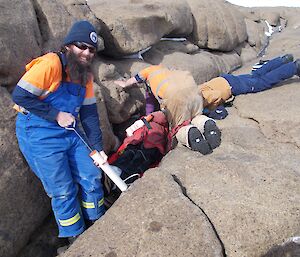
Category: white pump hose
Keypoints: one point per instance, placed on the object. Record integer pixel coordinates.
(95, 155)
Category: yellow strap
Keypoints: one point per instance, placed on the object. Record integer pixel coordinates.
(88, 205)
(70, 221)
(101, 202)
(17, 108)
(20, 109)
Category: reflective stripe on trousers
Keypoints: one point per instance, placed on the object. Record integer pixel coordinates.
(62, 163)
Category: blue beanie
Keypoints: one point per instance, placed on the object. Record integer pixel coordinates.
(82, 31)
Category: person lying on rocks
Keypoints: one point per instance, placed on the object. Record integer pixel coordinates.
(179, 97)
(264, 76)
(219, 90)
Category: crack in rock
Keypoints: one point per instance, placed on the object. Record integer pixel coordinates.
(262, 132)
(276, 132)
(251, 118)
(184, 191)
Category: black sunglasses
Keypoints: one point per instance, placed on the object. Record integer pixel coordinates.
(83, 46)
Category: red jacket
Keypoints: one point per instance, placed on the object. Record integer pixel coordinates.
(155, 137)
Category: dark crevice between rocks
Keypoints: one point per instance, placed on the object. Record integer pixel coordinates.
(184, 191)
(105, 31)
(42, 21)
(44, 241)
(93, 14)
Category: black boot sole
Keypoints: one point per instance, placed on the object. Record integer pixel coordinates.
(197, 142)
(212, 134)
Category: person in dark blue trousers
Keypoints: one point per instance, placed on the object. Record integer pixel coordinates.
(218, 90)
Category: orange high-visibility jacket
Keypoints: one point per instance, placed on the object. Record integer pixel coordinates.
(48, 70)
(157, 78)
(175, 90)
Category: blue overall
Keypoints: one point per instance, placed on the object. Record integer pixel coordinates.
(270, 74)
(62, 163)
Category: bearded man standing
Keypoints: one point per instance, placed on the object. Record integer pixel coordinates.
(56, 89)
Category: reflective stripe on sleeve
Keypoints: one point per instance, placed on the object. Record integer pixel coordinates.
(30, 88)
(155, 73)
(70, 221)
(88, 101)
(45, 94)
(160, 85)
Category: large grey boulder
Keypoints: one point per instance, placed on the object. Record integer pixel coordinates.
(120, 103)
(280, 125)
(23, 203)
(248, 53)
(130, 26)
(256, 34)
(203, 65)
(20, 39)
(110, 141)
(242, 189)
(218, 25)
(53, 24)
(270, 14)
(154, 218)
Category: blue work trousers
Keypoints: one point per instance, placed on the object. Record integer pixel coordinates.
(62, 163)
(270, 74)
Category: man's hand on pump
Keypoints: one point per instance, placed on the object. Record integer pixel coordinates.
(65, 119)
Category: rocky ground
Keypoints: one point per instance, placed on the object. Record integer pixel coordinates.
(241, 200)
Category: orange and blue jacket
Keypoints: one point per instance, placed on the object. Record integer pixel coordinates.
(43, 75)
